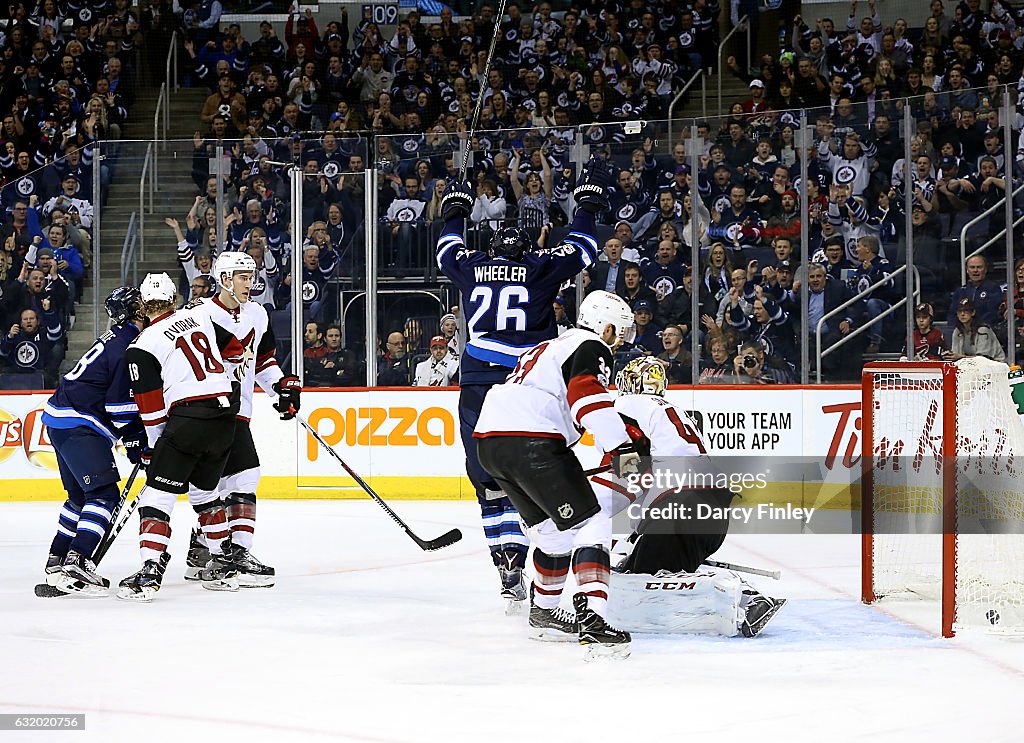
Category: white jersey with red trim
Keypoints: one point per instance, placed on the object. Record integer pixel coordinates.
(671, 431)
(180, 357)
(250, 324)
(558, 389)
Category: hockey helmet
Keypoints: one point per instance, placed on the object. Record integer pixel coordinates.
(124, 304)
(601, 308)
(231, 262)
(509, 242)
(157, 287)
(641, 376)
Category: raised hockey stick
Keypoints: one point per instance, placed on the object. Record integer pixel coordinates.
(45, 590)
(480, 98)
(776, 574)
(445, 540)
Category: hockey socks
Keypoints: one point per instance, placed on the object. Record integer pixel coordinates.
(240, 509)
(154, 533)
(213, 521)
(551, 571)
(503, 532)
(592, 570)
(94, 520)
(67, 524)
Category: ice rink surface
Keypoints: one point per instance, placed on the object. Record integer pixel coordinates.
(366, 638)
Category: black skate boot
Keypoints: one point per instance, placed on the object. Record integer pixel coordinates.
(198, 557)
(251, 572)
(760, 610)
(599, 638)
(143, 585)
(221, 572)
(78, 575)
(551, 625)
(513, 586)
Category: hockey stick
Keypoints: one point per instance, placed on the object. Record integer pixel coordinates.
(45, 590)
(480, 99)
(445, 540)
(776, 574)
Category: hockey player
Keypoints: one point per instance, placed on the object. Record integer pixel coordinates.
(232, 312)
(188, 404)
(525, 429)
(507, 298)
(91, 409)
(717, 601)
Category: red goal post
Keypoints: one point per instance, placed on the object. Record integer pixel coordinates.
(941, 508)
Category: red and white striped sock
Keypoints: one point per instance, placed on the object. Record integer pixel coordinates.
(213, 521)
(154, 532)
(241, 514)
(591, 567)
(551, 572)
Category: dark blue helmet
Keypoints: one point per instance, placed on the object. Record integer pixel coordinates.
(124, 304)
(509, 242)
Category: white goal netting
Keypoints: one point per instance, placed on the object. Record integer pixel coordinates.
(983, 562)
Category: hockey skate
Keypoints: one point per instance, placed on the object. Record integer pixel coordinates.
(221, 573)
(513, 590)
(143, 585)
(53, 566)
(251, 572)
(78, 575)
(551, 625)
(198, 557)
(761, 610)
(600, 639)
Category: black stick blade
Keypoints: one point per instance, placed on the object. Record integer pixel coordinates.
(445, 540)
(46, 591)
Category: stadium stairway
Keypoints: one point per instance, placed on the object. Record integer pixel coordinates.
(174, 195)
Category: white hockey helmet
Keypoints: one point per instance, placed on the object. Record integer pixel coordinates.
(643, 375)
(601, 308)
(231, 262)
(157, 287)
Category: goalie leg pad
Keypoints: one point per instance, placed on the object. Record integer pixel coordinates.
(708, 602)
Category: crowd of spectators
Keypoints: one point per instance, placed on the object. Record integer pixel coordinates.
(67, 80)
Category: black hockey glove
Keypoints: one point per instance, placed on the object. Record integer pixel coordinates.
(457, 200)
(287, 404)
(134, 445)
(626, 458)
(591, 192)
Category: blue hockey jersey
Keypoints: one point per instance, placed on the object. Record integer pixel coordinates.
(508, 304)
(97, 393)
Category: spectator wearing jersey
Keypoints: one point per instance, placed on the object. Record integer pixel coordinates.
(317, 267)
(439, 369)
(929, 344)
(649, 225)
(873, 271)
(985, 295)
(833, 257)
(768, 325)
(740, 225)
(664, 274)
(850, 165)
(31, 346)
(394, 369)
(405, 225)
(648, 333)
(972, 337)
(676, 359)
(634, 289)
(717, 367)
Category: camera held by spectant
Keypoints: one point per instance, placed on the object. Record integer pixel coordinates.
(749, 360)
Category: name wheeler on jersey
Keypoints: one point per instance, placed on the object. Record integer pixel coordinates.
(97, 393)
(180, 358)
(508, 302)
(250, 325)
(558, 389)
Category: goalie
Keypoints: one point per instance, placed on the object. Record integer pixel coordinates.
(662, 585)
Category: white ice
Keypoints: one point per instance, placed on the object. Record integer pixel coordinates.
(366, 638)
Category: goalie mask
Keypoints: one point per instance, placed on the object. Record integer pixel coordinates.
(641, 376)
(509, 242)
(601, 308)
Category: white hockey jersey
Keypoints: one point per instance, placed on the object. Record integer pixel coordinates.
(558, 389)
(180, 357)
(671, 431)
(250, 325)
(431, 373)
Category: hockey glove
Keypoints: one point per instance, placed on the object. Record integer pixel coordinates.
(287, 404)
(591, 192)
(627, 458)
(134, 443)
(457, 201)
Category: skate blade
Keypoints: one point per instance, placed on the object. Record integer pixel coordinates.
(256, 581)
(546, 634)
(516, 607)
(222, 584)
(600, 652)
(142, 596)
(192, 573)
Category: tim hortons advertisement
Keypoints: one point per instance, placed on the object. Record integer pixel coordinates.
(407, 443)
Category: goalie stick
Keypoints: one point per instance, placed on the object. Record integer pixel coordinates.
(45, 590)
(445, 540)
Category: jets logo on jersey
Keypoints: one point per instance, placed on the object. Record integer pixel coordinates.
(685, 39)
(309, 291)
(27, 354)
(596, 133)
(405, 214)
(26, 186)
(258, 286)
(663, 287)
(331, 169)
(626, 212)
(734, 232)
(845, 175)
(722, 203)
(410, 145)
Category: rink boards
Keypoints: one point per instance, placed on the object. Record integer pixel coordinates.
(406, 443)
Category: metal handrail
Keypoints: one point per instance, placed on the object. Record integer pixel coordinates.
(744, 23)
(142, 199)
(857, 331)
(963, 234)
(156, 122)
(682, 92)
(128, 252)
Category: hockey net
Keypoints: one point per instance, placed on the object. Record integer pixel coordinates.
(942, 503)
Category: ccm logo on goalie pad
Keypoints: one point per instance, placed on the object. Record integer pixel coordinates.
(668, 586)
(397, 426)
